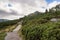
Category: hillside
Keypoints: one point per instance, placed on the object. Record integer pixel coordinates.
(7, 26)
(42, 26)
(3, 20)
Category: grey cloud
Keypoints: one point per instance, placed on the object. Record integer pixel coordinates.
(26, 9)
(15, 13)
(29, 2)
(4, 13)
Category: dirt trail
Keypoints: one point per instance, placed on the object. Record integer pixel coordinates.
(13, 35)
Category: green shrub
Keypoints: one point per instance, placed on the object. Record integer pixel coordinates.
(39, 27)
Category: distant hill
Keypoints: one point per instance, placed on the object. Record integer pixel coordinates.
(3, 20)
(56, 8)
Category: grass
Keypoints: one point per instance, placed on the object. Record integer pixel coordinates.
(20, 34)
(2, 35)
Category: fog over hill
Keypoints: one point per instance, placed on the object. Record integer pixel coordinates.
(3, 20)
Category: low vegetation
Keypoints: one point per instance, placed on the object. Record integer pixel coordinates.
(7, 26)
(2, 35)
(37, 26)
(4, 25)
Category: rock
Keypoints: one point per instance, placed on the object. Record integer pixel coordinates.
(54, 20)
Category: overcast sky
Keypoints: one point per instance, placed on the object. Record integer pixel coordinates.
(14, 9)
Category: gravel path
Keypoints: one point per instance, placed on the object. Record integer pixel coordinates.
(17, 28)
(13, 35)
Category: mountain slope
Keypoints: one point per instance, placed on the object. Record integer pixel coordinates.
(40, 27)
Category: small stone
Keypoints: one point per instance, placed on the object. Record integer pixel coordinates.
(54, 20)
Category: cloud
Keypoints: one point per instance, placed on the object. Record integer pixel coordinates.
(30, 2)
(10, 15)
(12, 9)
(4, 13)
(52, 4)
(20, 7)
